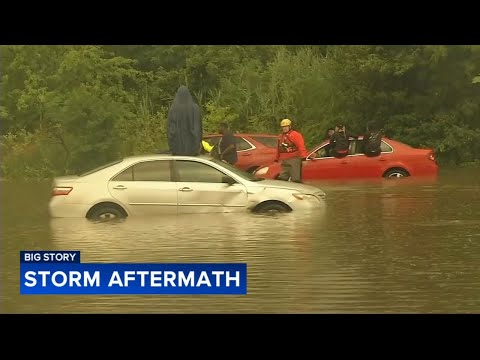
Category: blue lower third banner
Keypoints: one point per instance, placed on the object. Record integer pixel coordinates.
(40, 278)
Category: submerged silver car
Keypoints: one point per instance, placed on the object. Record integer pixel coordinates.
(160, 183)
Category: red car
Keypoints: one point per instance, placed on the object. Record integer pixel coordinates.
(396, 160)
(253, 150)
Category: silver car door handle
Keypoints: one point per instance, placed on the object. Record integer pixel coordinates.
(185, 189)
(119, 187)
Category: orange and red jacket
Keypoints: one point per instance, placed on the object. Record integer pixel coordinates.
(291, 145)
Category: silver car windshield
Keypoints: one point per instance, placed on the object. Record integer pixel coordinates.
(243, 174)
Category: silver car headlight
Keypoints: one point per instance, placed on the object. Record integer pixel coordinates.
(262, 171)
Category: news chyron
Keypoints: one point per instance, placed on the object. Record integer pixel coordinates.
(62, 273)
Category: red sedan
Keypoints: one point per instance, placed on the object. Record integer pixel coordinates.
(253, 150)
(396, 160)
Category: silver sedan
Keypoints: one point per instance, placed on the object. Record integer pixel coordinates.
(160, 183)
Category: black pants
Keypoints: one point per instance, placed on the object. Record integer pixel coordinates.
(291, 169)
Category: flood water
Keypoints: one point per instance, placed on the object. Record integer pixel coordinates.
(396, 246)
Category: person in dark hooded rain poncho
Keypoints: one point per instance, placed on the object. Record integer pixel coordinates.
(184, 124)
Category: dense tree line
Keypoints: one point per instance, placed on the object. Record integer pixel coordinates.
(65, 109)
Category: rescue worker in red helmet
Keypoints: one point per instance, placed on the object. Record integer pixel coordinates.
(290, 152)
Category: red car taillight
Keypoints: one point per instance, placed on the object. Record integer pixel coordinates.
(60, 190)
(431, 156)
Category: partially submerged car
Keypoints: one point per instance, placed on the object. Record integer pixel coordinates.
(395, 160)
(162, 183)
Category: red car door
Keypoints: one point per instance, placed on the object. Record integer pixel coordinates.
(320, 166)
(325, 168)
(362, 166)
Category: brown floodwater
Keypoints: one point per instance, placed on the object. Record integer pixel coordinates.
(393, 246)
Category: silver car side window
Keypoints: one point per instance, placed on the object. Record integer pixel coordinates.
(146, 171)
(193, 171)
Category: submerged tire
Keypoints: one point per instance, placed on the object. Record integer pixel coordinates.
(272, 207)
(396, 173)
(107, 212)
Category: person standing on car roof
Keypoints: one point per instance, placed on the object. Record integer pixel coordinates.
(290, 151)
(184, 124)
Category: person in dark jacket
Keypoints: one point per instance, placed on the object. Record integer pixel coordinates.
(329, 133)
(328, 136)
(372, 142)
(339, 142)
(184, 128)
(227, 147)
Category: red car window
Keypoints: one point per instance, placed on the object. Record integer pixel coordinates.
(242, 144)
(268, 141)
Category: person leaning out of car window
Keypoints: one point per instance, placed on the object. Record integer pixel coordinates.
(339, 142)
(290, 151)
(227, 147)
(329, 133)
(328, 136)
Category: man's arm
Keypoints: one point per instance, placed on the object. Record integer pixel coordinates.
(300, 144)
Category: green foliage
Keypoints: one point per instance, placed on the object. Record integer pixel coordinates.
(75, 95)
(145, 132)
(215, 115)
(27, 155)
(65, 109)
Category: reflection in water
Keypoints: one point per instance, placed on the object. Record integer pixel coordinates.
(395, 246)
(275, 247)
